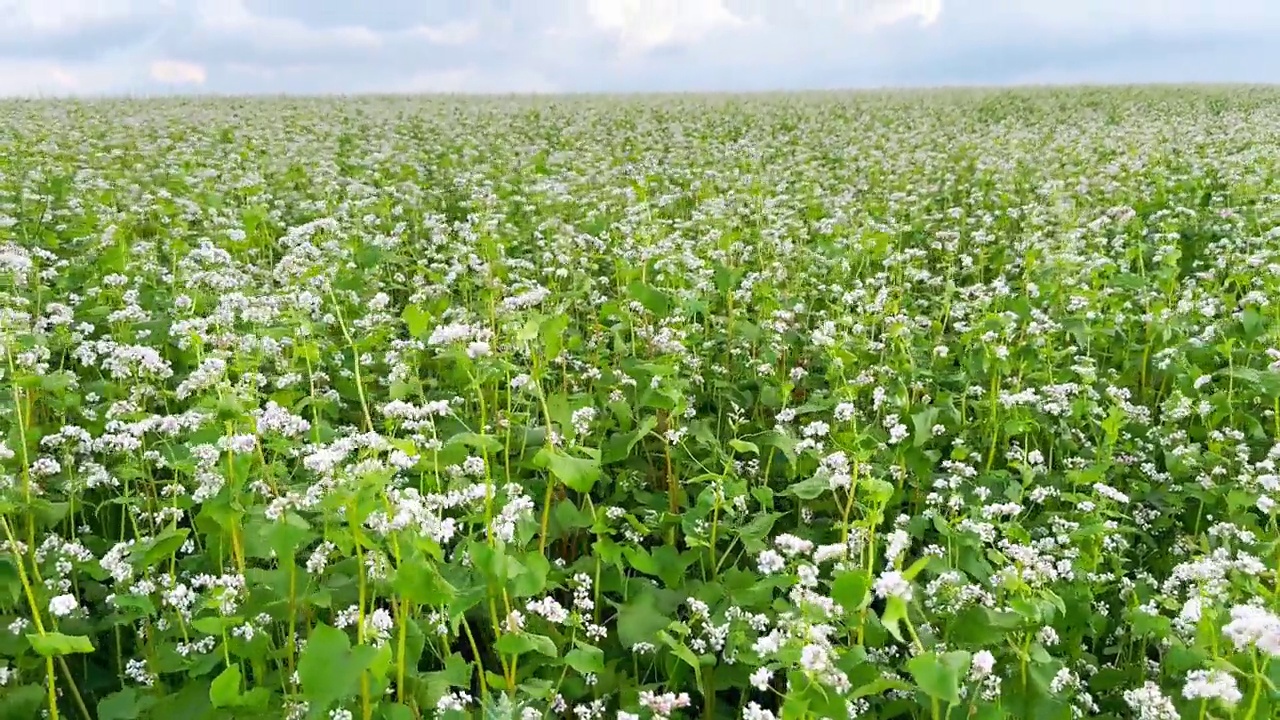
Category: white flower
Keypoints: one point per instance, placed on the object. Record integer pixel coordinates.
(452, 333)
(892, 584)
(1111, 493)
(378, 625)
(753, 711)
(1047, 636)
(137, 671)
(1150, 704)
(845, 411)
(983, 663)
(760, 678)
(1211, 685)
(515, 621)
(63, 605)
(770, 562)
(548, 608)
(791, 545)
(1252, 625)
(897, 544)
(814, 658)
(897, 433)
(457, 701)
(665, 704)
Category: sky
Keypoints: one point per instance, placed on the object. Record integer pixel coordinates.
(158, 47)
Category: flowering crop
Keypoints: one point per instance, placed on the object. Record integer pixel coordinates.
(906, 405)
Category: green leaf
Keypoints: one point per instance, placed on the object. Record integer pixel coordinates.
(781, 441)
(47, 512)
(214, 624)
(1107, 679)
(225, 690)
(618, 446)
(880, 491)
(809, 489)
(914, 569)
(879, 686)
(755, 531)
(552, 332)
(397, 711)
(256, 698)
(895, 611)
(521, 643)
(533, 576)
(416, 320)
(743, 446)
(419, 582)
(569, 517)
(639, 620)
(123, 705)
(640, 559)
(10, 582)
(923, 422)
(795, 704)
(850, 589)
(285, 537)
(1254, 323)
(1144, 625)
(982, 626)
(940, 676)
(1266, 382)
(165, 545)
(576, 473)
(653, 299)
(329, 668)
(22, 702)
(585, 659)
(456, 673)
(683, 652)
(56, 644)
(479, 442)
(672, 564)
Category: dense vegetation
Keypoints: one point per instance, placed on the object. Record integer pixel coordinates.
(919, 405)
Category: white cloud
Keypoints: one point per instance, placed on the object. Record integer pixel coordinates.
(44, 78)
(643, 25)
(453, 33)
(230, 18)
(50, 16)
(240, 33)
(96, 46)
(855, 14)
(177, 72)
(43, 19)
(890, 12)
(27, 78)
(1095, 18)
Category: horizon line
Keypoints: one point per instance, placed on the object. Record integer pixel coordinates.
(587, 94)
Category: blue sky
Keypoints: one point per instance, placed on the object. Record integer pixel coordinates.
(89, 47)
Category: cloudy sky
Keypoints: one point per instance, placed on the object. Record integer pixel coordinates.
(86, 47)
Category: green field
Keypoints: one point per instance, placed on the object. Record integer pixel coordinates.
(955, 405)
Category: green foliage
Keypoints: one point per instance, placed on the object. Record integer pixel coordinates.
(953, 405)
(329, 668)
(57, 644)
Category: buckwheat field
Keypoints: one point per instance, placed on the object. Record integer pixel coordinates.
(940, 405)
